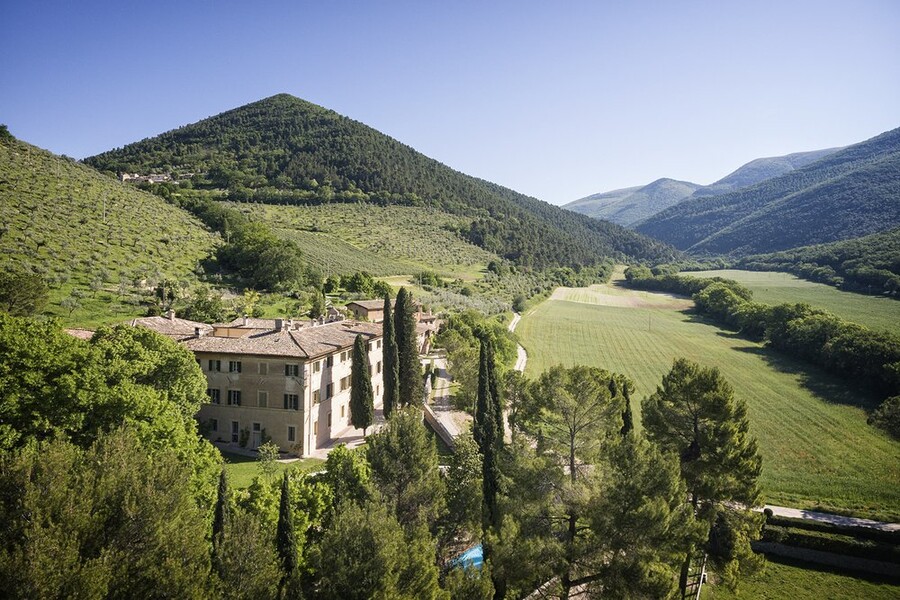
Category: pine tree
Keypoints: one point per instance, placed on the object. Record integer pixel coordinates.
(409, 368)
(694, 414)
(391, 362)
(285, 540)
(362, 399)
(219, 518)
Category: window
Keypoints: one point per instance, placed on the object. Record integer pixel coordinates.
(317, 366)
(316, 398)
(329, 362)
(378, 367)
(316, 428)
(345, 383)
(291, 402)
(263, 368)
(329, 391)
(215, 395)
(291, 370)
(235, 431)
(378, 344)
(262, 399)
(377, 390)
(257, 427)
(368, 346)
(292, 433)
(234, 397)
(213, 424)
(329, 419)
(234, 366)
(343, 408)
(215, 365)
(343, 356)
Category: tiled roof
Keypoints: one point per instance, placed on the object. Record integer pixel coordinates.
(176, 328)
(306, 342)
(369, 304)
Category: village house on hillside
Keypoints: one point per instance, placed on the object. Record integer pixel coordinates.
(427, 324)
(284, 380)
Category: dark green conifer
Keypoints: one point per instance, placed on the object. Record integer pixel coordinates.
(362, 399)
(627, 417)
(391, 362)
(409, 368)
(285, 540)
(219, 517)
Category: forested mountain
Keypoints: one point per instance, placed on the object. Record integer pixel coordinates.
(286, 150)
(86, 234)
(847, 194)
(868, 264)
(631, 205)
(761, 169)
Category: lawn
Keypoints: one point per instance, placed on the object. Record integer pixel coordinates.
(816, 445)
(798, 581)
(242, 469)
(774, 288)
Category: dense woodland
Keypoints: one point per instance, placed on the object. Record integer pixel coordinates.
(109, 492)
(285, 150)
(847, 194)
(866, 357)
(869, 264)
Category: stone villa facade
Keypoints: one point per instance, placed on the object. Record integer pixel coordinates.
(276, 379)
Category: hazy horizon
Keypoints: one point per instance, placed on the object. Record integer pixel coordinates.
(554, 102)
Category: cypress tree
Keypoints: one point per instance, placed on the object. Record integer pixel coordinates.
(219, 517)
(285, 541)
(362, 399)
(627, 417)
(483, 399)
(391, 362)
(409, 369)
(496, 400)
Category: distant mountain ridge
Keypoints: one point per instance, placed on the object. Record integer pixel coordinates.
(846, 194)
(286, 150)
(630, 206)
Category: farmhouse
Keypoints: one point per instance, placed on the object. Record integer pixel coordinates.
(427, 324)
(284, 380)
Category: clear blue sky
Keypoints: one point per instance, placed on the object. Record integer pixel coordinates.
(554, 99)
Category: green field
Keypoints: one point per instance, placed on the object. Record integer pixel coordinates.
(242, 469)
(816, 445)
(801, 582)
(771, 287)
(383, 240)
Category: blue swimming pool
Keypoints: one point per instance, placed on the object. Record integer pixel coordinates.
(472, 557)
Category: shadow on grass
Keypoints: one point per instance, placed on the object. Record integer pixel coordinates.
(825, 386)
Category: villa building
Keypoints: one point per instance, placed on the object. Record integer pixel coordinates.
(276, 379)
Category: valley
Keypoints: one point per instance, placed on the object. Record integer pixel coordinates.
(817, 449)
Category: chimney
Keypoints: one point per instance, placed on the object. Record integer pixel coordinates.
(198, 332)
(246, 321)
(279, 324)
(170, 314)
(290, 324)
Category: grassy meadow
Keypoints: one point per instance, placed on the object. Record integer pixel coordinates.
(798, 581)
(772, 287)
(817, 449)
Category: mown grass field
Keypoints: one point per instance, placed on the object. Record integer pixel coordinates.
(383, 240)
(242, 469)
(774, 288)
(816, 445)
(802, 582)
(94, 239)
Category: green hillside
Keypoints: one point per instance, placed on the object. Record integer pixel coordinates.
(639, 204)
(761, 169)
(100, 244)
(869, 264)
(847, 194)
(283, 150)
(383, 240)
